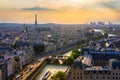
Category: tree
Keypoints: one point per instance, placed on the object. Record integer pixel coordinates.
(75, 54)
(38, 48)
(105, 35)
(59, 76)
(83, 45)
(83, 41)
(100, 36)
(75, 51)
(95, 38)
(69, 60)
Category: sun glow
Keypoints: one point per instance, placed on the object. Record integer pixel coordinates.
(77, 0)
(82, 1)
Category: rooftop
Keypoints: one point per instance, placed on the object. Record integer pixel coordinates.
(104, 52)
(98, 68)
(87, 60)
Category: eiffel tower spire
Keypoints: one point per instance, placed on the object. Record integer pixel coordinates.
(35, 19)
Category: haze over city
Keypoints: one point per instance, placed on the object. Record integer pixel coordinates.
(59, 39)
(59, 11)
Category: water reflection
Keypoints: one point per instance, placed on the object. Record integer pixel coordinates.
(68, 53)
(52, 68)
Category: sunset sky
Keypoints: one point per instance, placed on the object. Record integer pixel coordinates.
(59, 11)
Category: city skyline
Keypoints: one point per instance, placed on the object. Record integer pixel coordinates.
(59, 39)
(57, 11)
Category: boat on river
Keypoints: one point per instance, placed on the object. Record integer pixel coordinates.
(46, 76)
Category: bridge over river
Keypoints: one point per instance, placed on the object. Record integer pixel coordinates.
(54, 68)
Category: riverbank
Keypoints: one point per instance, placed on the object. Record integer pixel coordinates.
(53, 69)
(38, 66)
(35, 70)
(63, 51)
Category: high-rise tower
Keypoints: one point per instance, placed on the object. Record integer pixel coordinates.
(35, 19)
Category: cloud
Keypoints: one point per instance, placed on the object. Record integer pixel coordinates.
(113, 5)
(36, 8)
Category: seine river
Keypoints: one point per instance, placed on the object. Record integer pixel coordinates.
(52, 68)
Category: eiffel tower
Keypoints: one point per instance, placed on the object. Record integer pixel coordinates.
(35, 20)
